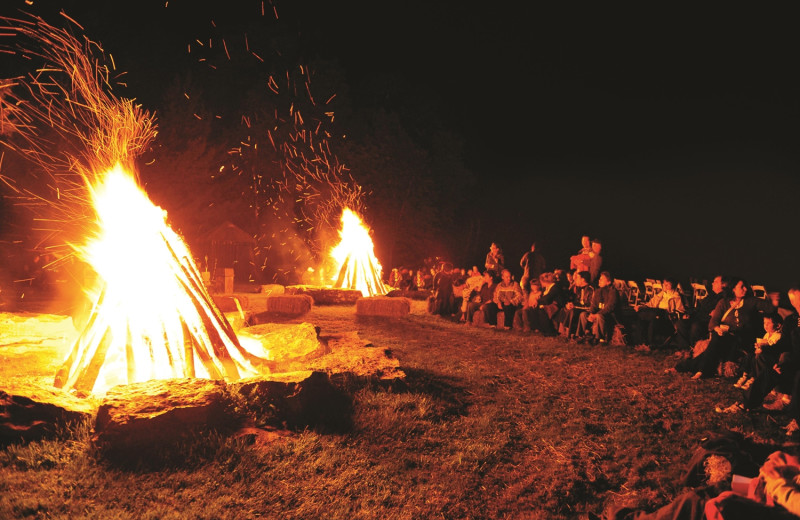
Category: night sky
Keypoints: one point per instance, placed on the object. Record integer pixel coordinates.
(670, 133)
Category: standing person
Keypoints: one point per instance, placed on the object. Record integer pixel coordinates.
(533, 265)
(589, 260)
(579, 261)
(595, 259)
(443, 297)
(495, 260)
(508, 298)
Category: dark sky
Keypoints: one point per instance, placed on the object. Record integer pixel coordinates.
(671, 133)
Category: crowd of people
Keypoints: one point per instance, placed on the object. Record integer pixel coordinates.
(726, 331)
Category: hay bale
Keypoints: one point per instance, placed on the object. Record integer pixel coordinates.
(383, 306)
(293, 304)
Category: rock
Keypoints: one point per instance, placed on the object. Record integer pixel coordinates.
(294, 305)
(151, 418)
(296, 400)
(351, 361)
(383, 306)
(326, 295)
(285, 342)
(29, 411)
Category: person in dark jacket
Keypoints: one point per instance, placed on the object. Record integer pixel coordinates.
(533, 265)
(579, 300)
(598, 322)
(734, 326)
(550, 302)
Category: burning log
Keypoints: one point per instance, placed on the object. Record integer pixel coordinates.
(195, 334)
(357, 266)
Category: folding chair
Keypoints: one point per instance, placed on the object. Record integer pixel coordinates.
(622, 288)
(633, 292)
(649, 291)
(699, 292)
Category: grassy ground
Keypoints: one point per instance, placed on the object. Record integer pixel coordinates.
(493, 424)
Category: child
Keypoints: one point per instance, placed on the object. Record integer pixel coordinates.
(772, 326)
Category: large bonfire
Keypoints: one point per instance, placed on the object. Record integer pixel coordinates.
(151, 315)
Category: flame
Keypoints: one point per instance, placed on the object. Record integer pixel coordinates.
(356, 264)
(152, 317)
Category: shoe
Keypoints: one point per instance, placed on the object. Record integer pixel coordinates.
(734, 408)
(697, 376)
(593, 341)
(602, 341)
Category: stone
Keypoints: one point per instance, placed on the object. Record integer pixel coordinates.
(383, 306)
(352, 361)
(30, 411)
(295, 400)
(150, 418)
(285, 342)
(293, 305)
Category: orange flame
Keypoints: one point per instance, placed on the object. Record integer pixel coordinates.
(356, 264)
(153, 318)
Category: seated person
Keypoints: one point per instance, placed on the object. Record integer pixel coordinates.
(508, 299)
(579, 300)
(471, 290)
(522, 317)
(732, 328)
(695, 327)
(658, 309)
(597, 324)
(550, 302)
(482, 300)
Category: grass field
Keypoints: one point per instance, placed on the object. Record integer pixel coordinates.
(492, 424)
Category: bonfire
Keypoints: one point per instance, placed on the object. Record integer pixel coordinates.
(151, 316)
(356, 264)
